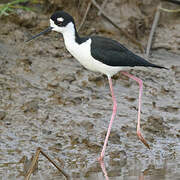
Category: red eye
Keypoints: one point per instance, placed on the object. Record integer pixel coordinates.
(59, 23)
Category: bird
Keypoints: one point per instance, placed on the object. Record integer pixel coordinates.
(100, 54)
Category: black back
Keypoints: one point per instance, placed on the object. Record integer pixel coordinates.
(113, 53)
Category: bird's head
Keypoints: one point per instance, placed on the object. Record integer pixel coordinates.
(60, 21)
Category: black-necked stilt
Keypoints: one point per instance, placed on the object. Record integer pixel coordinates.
(99, 54)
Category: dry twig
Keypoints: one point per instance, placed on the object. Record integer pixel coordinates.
(115, 25)
(154, 25)
(102, 6)
(35, 160)
(169, 10)
(85, 15)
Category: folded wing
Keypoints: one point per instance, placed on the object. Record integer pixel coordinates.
(113, 53)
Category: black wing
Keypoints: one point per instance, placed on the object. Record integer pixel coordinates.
(113, 53)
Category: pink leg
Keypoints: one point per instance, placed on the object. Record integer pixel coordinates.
(139, 81)
(104, 170)
(111, 121)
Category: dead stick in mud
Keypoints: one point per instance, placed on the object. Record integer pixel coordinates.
(33, 164)
(154, 25)
(102, 6)
(35, 160)
(85, 15)
(115, 25)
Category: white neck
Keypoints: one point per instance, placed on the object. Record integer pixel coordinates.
(69, 34)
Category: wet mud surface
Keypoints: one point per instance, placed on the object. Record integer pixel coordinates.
(56, 104)
(48, 100)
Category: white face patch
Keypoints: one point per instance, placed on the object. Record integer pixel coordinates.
(60, 19)
(55, 27)
(69, 28)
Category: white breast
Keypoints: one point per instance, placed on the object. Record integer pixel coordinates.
(82, 53)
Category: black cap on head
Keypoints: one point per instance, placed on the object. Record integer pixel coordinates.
(66, 18)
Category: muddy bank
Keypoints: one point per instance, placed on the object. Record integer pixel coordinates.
(48, 100)
(56, 104)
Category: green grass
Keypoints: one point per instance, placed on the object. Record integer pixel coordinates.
(7, 8)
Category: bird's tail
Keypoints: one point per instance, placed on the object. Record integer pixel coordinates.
(156, 66)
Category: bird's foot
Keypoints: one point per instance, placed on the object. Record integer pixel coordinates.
(142, 139)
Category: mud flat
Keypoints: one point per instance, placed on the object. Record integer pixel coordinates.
(48, 100)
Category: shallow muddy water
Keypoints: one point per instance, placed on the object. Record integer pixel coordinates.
(56, 104)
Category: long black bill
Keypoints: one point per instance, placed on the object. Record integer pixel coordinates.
(43, 32)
